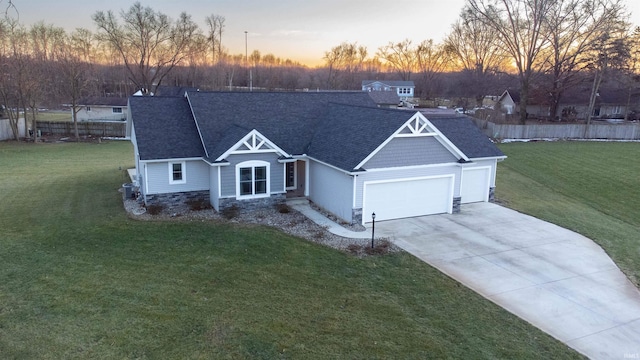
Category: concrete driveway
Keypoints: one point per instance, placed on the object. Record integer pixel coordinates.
(557, 280)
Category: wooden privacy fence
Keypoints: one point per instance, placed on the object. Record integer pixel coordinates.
(93, 128)
(626, 131)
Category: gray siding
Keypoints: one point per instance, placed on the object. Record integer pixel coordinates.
(228, 173)
(331, 189)
(410, 151)
(407, 174)
(196, 175)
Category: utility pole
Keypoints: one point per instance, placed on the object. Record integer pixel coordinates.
(246, 59)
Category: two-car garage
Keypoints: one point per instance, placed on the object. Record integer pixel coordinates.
(408, 197)
(403, 198)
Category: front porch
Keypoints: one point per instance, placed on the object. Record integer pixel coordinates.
(296, 173)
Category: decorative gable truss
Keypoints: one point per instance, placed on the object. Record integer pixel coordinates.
(253, 143)
(418, 126)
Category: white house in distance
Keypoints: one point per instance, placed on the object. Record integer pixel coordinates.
(404, 89)
(102, 109)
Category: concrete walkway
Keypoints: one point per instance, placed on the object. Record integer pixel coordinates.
(303, 206)
(557, 280)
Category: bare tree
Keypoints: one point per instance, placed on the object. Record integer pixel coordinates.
(215, 28)
(343, 62)
(612, 51)
(474, 49)
(518, 24)
(400, 57)
(74, 71)
(573, 28)
(150, 43)
(431, 60)
(15, 63)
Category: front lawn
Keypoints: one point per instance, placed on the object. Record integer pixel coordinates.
(78, 279)
(590, 187)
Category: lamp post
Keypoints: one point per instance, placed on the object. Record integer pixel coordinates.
(373, 227)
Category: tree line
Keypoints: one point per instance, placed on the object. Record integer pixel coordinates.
(538, 46)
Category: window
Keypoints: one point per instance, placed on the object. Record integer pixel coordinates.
(116, 110)
(290, 175)
(177, 173)
(253, 179)
(88, 108)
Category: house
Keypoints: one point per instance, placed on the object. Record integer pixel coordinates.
(102, 109)
(509, 102)
(610, 103)
(240, 149)
(404, 89)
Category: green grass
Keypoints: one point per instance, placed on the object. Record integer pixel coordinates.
(78, 279)
(54, 116)
(590, 187)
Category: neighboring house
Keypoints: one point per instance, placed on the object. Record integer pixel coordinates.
(102, 109)
(574, 103)
(610, 104)
(404, 89)
(335, 148)
(509, 102)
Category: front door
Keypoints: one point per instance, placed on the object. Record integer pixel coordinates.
(294, 178)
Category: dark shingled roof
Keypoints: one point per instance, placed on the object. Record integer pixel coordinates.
(385, 97)
(164, 128)
(348, 134)
(466, 136)
(339, 128)
(287, 119)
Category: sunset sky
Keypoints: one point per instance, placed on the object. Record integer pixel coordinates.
(300, 30)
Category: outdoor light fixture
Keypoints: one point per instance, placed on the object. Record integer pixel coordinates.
(373, 227)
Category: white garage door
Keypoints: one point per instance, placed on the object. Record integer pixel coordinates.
(475, 184)
(408, 198)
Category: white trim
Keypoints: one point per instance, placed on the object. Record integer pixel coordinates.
(254, 146)
(307, 180)
(416, 135)
(217, 164)
(183, 172)
(174, 160)
(146, 182)
(355, 187)
(253, 164)
(295, 175)
(499, 158)
(413, 124)
(240, 152)
(366, 183)
(219, 182)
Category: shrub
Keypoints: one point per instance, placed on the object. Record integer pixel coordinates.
(198, 204)
(283, 208)
(154, 209)
(231, 212)
(380, 247)
(354, 249)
